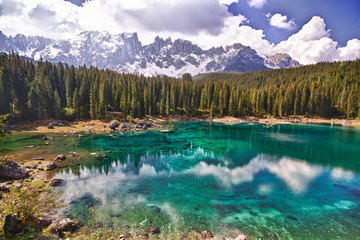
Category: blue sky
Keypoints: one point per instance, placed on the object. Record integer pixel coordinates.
(341, 16)
(308, 30)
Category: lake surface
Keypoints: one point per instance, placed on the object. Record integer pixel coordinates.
(297, 181)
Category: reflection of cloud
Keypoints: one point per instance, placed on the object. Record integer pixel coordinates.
(341, 174)
(296, 174)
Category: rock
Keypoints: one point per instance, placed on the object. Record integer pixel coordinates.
(113, 125)
(81, 136)
(51, 126)
(144, 127)
(166, 131)
(33, 166)
(206, 234)
(31, 146)
(73, 154)
(60, 157)
(56, 182)
(152, 230)
(38, 159)
(51, 166)
(291, 217)
(124, 236)
(41, 223)
(12, 171)
(41, 168)
(4, 188)
(46, 138)
(65, 225)
(17, 185)
(12, 224)
(47, 237)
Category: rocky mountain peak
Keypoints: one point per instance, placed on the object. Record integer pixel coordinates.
(125, 53)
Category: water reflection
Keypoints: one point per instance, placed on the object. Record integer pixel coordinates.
(296, 174)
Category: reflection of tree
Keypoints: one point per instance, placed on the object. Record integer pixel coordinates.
(217, 144)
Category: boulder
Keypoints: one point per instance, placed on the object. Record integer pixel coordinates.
(12, 224)
(56, 182)
(66, 225)
(4, 188)
(60, 157)
(51, 166)
(113, 125)
(46, 138)
(12, 171)
(153, 230)
(73, 154)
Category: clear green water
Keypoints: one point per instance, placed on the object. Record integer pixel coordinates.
(216, 177)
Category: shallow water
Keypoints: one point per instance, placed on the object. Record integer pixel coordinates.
(297, 181)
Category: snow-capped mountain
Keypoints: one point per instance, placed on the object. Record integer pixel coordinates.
(125, 53)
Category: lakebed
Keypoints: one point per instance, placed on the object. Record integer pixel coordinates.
(285, 180)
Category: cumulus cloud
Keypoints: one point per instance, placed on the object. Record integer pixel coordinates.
(281, 21)
(257, 3)
(313, 44)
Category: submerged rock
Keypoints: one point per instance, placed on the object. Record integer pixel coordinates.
(166, 131)
(153, 230)
(11, 170)
(291, 217)
(66, 225)
(271, 235)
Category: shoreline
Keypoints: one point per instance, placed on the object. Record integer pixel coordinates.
(99, 126)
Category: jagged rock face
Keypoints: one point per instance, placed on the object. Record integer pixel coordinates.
(281, 60)
(125, 53)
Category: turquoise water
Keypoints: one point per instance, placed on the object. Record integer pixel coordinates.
(297, 181)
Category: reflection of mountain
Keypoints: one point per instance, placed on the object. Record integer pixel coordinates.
(296, 174)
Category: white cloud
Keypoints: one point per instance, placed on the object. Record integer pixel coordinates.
(227, 2)
(257, 3)
(313, 44)
(281, 21)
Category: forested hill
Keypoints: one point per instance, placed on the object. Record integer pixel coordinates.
(44, 90)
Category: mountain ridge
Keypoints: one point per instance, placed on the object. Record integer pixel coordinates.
(125, 53)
